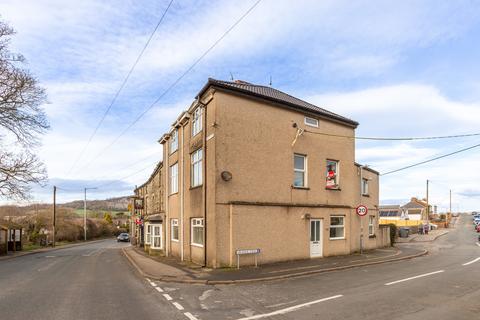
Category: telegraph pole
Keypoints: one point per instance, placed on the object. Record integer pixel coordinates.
(54, 212)
(450, 201)
(428, 209)
(85, 212)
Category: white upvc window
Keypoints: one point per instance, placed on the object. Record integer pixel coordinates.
(174, 230)
(337, 227)
(197, 121)
(174, 141)
(148, 233)
(364, 186)
(312, 122)
(174, 178)
(299, 170)
(196, 168)
(332, 174)
(371, 225)
(197, 232)
(157, 242)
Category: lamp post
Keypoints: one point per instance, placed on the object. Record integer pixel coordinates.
(85, 212)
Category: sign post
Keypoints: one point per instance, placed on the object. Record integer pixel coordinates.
(361, 211)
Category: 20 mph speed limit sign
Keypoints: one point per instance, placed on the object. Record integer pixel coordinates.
(362, 210)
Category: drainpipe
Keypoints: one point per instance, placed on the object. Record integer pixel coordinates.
(182, 196)
(167, 191)
(205, 224)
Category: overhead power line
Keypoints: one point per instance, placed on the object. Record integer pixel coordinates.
(120, 88)
(188, 70)
(395, 139)
(430, 160)
(127, 176)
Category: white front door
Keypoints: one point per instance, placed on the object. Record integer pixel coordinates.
(316, 238)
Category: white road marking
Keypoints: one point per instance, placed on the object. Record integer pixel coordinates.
(159, 289)
(153, 284)
(470, 262)
(478, 244)
(190, 316)
(167, 296)
(178, 305)
(148, 280)
(290, 309)
(415, 277)
(50, 256)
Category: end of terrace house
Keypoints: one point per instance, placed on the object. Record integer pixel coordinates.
(248, 167)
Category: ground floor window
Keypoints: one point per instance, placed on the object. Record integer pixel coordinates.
(174, 232)
(197, 232)
(157, 236)
(371, 225)
(148, 233)
(337, 227)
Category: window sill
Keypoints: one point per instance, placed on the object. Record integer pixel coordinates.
(300, 188)
(343, 238)
(175, 240)
(172, 152)
(333, 189)
(196, 187)
(196, 245)
(371, 236)
(366, 195)
(171, 194)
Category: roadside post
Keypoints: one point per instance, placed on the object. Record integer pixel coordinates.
(361, 211)
(239, 253)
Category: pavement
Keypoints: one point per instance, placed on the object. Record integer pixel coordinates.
(169, 270)
(431, 236)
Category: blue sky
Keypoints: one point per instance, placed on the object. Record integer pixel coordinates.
(406, 68)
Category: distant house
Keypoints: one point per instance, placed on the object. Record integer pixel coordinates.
(3, 239)
(391, 212)
(416, 209)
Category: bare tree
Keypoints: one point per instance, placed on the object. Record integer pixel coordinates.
(22, 120)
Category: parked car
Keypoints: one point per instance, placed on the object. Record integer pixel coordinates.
(123, 237)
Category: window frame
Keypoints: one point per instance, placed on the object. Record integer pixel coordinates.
(197, 116)
(156, 226)
(304, 171)
(174, 224)
(371, 223)
(198, 163)
(171, 180)
(173, 138)
(310, 124)
(365, 187)
(342, 226)
(337, 174)
(148, 233)
(200, 224)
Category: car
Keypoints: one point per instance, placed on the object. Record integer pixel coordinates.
(478, 228)
(123, 237)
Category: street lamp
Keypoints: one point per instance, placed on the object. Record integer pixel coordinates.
(85, 212)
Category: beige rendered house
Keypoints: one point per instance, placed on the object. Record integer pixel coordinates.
(248, 167)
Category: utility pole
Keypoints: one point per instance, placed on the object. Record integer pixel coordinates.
(85, 212)
(450, 201)
(54, 212)
(428, 208)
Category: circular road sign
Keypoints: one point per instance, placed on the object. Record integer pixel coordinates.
(362, 210)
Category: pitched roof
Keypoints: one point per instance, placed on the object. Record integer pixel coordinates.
(274, 95)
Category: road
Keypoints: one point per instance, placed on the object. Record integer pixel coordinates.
(96, 282)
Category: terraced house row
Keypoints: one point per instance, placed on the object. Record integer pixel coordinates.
(250, 169)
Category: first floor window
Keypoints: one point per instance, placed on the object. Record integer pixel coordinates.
(148, 228)
(332, 174)
(364, 186)
(174, 178)
(337, 227)
(371, 225)
(197, 121)
(197, 231)
(157, 236)
(175, 230)
(299, 170)
(174, 141)
(196, 168)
